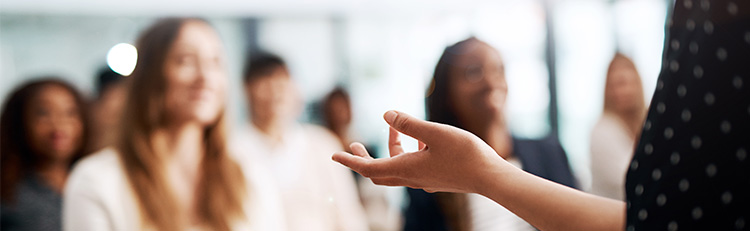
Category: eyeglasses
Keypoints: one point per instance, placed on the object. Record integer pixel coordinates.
(476, 73)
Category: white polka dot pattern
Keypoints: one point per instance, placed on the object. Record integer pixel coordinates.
(691, 170)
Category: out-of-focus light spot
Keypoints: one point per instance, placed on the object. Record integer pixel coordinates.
(121, 58)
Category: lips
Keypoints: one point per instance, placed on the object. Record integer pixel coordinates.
(60, 140)
(201, 95)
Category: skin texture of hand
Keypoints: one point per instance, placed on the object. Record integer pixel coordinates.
(453, 160)
(447, 160)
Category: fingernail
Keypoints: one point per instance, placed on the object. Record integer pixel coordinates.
(390, 116)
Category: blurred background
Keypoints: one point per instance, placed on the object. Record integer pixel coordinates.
(556, 52)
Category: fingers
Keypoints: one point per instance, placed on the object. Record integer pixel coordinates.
(394, 143)
(359, 149)
(419, 129)
(367, 166)
(356, 163)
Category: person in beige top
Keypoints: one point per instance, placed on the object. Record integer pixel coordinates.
(317, 195)
(614, 135)
(171, 168)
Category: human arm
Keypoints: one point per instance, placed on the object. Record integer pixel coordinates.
(454, 160)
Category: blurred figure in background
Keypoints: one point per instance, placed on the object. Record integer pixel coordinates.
(469, 91)
(317, 194)
(43, 133)
(106, 109)
(337, 116)
(171, 168)
(614, 135)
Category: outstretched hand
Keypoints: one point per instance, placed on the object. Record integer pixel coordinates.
(453, 160)
(449, 159)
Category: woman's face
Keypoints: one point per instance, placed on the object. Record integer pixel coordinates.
(54, 123)
(477, 83)
(195, 75)
(624, 88)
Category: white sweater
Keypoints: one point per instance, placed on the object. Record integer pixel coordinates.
(99, 197)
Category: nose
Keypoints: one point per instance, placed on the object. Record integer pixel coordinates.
(493, 79)
(202, 76)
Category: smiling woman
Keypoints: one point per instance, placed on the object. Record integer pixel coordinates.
(42, 135)
(171, 169)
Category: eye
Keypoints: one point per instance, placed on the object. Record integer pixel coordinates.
(185, 60)
(474, 73)
(475, 70)
(41, 112)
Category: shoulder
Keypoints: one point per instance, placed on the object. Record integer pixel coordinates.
(608, 130)
(97, 170)
(321, 137)
(104, 161)
(317, 130)
(606, 124)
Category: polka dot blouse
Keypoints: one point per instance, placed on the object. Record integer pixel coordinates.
(691, 169)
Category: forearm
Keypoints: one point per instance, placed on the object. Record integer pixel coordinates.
(548, 205)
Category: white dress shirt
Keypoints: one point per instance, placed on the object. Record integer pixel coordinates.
(317, 193)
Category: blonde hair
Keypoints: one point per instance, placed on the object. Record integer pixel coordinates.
(221, 188)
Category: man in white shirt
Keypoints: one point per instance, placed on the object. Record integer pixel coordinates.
(317, 194)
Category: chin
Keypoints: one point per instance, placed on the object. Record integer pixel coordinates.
(60, 153)
(207, 119)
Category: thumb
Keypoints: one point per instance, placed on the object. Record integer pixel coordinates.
(419, 129)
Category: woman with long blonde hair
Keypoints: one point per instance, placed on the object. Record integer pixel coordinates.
(171, 169)
(614, 135)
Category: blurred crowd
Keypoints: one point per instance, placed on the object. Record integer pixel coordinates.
(153, 150)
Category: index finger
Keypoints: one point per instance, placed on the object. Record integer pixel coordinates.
(394, 142)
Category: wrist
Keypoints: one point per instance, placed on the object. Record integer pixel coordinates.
(494, 177)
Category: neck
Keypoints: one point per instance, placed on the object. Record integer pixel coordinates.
(495, 133)
(181, 144)
(182, 149)
(54, 173)
(274, 130)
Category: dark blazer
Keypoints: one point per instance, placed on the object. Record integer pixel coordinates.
(544, 158)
